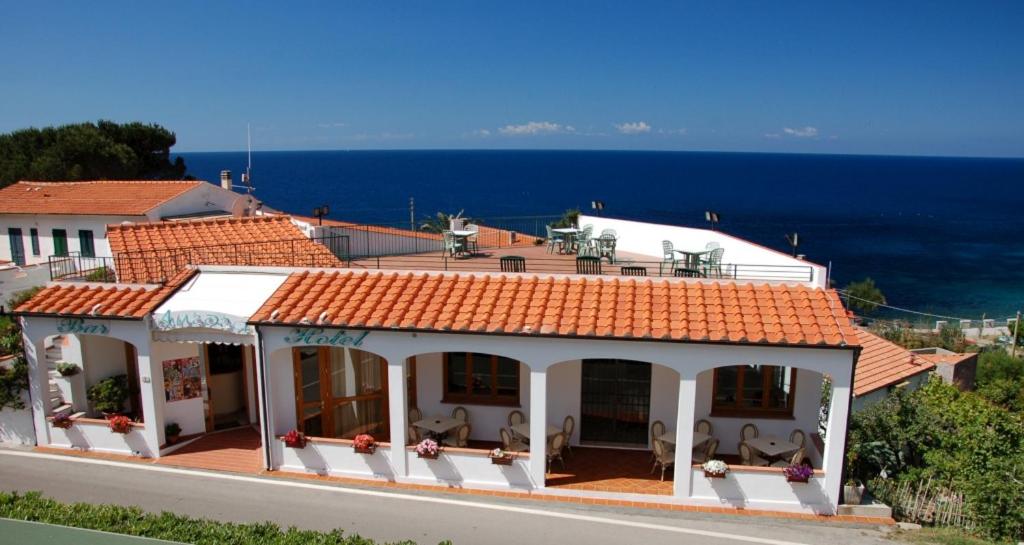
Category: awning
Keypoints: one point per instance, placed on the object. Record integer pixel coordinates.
(214, 307)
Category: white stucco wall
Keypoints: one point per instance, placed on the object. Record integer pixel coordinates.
(205, 198)
(47, 223)
(646, 238)
(861, 402)
(96, 436)
(16, 424)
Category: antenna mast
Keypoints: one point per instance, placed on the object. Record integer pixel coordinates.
(247, 175)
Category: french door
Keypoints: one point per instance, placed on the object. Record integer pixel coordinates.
(17, 246)
(616, 401)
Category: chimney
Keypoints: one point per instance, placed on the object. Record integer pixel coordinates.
(225, 179)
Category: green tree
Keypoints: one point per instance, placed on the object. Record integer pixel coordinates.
(441, 221)
(89, 151)
(864, 296)
(570, 218)
(14, 369)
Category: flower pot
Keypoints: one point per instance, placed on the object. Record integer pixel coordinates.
(62, 424)
(299, 441)
(711, 475)
(173, 439)
(369, 449)
(501, 460)
(428, 455)
(797, 479)
(853, 494)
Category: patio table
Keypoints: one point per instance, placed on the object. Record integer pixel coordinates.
(463, 236)
(692, 259)
(698, 438)
(772, 446)
(523, 430)
(571, 234)
(438, 424)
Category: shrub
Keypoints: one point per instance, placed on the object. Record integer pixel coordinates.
(109, 394)
(66, 368)
(172, 429)
(166, 526)
(13, 381)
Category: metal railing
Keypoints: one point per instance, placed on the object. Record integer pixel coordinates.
(568, 265)
(153, 266)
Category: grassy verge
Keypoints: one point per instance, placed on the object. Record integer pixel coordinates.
(939, 536)
(168, 526)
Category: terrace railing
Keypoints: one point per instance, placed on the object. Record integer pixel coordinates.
(567, 265)
(76, 267)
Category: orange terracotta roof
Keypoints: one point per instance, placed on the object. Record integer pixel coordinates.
(105, 198)
(151, 252)
(948, 359)
(883, 363)
(564, 306)
(96, 301)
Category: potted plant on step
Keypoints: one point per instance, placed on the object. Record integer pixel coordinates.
(715, 469)
(500, 457)
(428, 448)
(294, 439)
(172, 432)
(67, 369)
(364, 443)
(120, 424)
(798, 473)
(853, 492)
(109, 395)
(62, 421)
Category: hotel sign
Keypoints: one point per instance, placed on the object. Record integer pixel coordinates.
(318, 336)
(78, 326)
(195, 319)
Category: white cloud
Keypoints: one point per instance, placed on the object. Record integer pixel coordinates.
(635, 127)
(481, 132)
(534, 128)
(801, 132)
(331, 125)
(680, 131)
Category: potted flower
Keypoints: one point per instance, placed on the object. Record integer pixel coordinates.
(715, 469)
(62, 421)
(853, 492)
(500, 457)
(109, 395)
(67, 369)
(294, 439)
(798, 473)
(364, 443)
(172, 432)
(428, 448)
(120, 424)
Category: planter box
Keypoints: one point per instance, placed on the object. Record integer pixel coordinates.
(710, 475)
(501, 460)
(429, 456)
(797, 479)
(365, 450)
(299, 442)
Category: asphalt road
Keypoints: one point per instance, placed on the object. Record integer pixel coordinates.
(385, 516)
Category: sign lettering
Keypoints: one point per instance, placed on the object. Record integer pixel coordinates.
(202, 319)
(320, 337)
(80, 326)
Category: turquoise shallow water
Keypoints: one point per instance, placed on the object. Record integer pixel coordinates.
(943, 235)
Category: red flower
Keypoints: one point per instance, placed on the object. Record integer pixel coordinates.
(363, 441)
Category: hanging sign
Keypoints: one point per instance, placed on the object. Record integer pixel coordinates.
(320, 337)
(201, 319)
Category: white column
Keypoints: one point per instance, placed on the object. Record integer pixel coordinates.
(151, 389)
(684, 434)
(538, 426)
(38, 382)
(262, 395)
(398, 407)
(835, 436)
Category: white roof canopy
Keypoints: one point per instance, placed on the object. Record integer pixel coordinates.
(214, 307)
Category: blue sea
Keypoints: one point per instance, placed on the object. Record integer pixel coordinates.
(939, 235)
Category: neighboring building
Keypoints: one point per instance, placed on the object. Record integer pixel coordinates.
(44, 219)
(392, 344)
(885, 366)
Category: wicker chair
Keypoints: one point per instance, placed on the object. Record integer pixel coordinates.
(796, 459)
(568, 426)
(510, 443)
(662, 457)
(415, 415)
(708, 453)
(460, 413)
(750, 458)
(704, 427)
(414, 435)
(749, 431)
(797, 437)
(555, 448)
(460, 438)
(657, 430)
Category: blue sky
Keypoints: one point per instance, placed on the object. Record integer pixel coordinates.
(820, 77)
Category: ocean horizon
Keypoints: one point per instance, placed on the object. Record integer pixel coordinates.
(942, 235)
